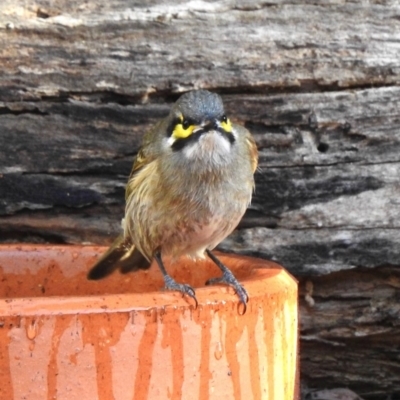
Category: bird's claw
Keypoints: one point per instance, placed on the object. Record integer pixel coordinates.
(171, 284)
(229, 279)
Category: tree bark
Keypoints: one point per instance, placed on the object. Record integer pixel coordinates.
(317, 85)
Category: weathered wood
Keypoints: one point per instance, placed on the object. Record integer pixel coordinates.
(134, 49)
(316, 83)
(350, 331)
(329, 394)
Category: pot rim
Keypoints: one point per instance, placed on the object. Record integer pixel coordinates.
(257, 284)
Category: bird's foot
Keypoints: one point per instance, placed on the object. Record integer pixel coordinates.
(171, 284)
(229, 279)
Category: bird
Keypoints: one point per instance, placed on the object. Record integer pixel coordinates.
(191, 183)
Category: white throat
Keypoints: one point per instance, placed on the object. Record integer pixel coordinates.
(211, 147)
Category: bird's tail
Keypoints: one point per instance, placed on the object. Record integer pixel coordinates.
(123, 255)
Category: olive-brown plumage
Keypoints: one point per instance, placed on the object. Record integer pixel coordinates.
(190, 185)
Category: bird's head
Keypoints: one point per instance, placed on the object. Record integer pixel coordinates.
(198, 124)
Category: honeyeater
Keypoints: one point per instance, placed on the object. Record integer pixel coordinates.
(190, 185)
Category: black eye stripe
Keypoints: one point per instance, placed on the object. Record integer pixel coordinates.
(179, 144)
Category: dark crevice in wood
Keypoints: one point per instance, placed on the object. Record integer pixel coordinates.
(165, 96)
(33, 111)
(329, 165)
(86, 173)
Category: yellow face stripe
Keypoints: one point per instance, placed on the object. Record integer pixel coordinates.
(226, 125)
(180, 132)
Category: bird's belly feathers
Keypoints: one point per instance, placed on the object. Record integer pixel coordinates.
(178, 224)
(191, 234)
(205, 236)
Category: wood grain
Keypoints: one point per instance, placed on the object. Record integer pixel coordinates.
(315, 82)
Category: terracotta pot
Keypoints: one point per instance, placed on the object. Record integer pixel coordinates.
(64, 337)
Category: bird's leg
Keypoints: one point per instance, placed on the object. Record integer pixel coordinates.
(229, 279)
(170, 283)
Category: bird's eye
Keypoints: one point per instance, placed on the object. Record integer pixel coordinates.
(224, 119)
(185, 124)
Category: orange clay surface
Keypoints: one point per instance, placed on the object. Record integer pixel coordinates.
(64, 337)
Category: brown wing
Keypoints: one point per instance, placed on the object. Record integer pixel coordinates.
(140, 161)
(145, 155)
(122, 253)
(249, 144)
(253, 152)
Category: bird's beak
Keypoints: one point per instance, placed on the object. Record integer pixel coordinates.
(206, 127)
